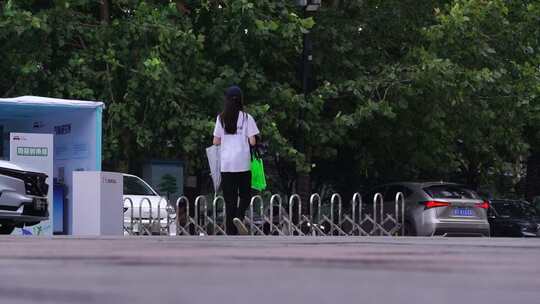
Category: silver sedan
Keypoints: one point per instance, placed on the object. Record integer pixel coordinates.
(438, 208)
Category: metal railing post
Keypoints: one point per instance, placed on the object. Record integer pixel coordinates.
(198, 227)
(400, 197)
(273, 198)
(377, 197)
(357, 198)
(252, 227)
(335, 197)
(251, 224)
(178, 224)
(292, 199)
(159, 216)
(214, 213)
(150, 217)
(130, 230)
(314, 197)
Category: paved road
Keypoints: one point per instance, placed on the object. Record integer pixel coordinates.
(269, 270)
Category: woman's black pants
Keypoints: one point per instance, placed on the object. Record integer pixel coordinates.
(236, 185)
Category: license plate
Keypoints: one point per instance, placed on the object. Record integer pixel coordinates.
(462, 212)
(40, 204)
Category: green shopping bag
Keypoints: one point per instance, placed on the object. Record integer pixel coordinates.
(258, 179)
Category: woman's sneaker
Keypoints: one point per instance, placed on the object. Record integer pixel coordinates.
(242, 230)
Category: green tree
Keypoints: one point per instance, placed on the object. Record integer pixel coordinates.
(403, 89)
(168, 185)
(479, 85)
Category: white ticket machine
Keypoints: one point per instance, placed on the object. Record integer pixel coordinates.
(97, 203)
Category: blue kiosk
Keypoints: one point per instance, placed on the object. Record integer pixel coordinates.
(76, 127)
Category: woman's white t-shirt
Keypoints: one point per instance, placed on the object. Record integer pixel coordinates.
(235, 155)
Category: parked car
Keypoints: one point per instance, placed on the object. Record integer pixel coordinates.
(23, 197)
(513, 218)
(437, 208)
(149, 208)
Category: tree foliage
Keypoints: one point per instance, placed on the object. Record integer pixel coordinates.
(404, 89)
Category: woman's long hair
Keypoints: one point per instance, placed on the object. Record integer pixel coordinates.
(231, 110)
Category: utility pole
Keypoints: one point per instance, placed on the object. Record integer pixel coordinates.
(307, 59)
(308, 7)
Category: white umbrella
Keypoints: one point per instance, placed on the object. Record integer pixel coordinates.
(214, 161)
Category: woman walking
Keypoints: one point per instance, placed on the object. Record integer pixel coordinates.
(235, 131)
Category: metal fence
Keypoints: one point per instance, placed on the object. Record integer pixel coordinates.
(277, 215)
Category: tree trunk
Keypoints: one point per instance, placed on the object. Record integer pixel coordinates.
(104, 12)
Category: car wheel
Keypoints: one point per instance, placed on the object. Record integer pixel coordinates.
(6, 228)
(409, 229)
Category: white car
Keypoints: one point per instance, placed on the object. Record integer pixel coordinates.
(23, 197)
(145, 211)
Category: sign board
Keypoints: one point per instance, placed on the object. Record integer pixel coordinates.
(35, 152)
